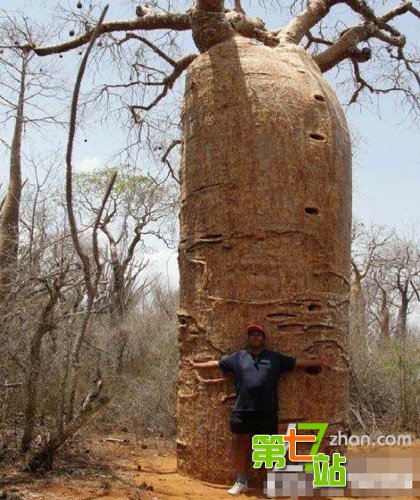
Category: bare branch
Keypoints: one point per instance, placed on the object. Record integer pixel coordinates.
(69, 178)
(155, 21)
(314, 39)
(373, 27)
(238, 7)
(397, 85)
(345, 47)
(401, 9)
(97, 224)
(305, 20)
(165, 159)
(130, 36)
(167, 83)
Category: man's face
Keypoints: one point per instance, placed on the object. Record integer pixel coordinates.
(256, 339)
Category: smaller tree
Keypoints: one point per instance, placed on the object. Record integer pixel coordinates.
(138, 207)
(404, 263)
(368, 244)
(26, 90)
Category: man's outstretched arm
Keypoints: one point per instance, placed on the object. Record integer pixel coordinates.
(188, 364)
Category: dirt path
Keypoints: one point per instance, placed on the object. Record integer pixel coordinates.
(95, 468)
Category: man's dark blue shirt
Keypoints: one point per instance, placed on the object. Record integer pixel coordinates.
(257, 377)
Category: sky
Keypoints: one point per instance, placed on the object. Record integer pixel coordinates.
(386, 162)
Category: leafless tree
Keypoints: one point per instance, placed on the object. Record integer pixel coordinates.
(46, 276)
(368, 246)
(25, 91)
(403, 261)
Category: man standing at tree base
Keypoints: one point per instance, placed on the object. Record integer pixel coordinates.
(256, 371)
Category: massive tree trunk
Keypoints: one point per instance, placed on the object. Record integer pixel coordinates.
(265, 238)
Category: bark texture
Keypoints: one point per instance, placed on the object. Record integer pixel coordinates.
(265, 238)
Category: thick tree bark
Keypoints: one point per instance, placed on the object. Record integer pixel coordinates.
(9, 220)
(209, 24)
(265, 237)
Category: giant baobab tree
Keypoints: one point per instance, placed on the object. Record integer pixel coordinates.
(265, 193)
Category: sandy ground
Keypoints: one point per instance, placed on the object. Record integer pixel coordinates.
(131, 469)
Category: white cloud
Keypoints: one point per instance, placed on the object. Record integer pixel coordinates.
(88, 164)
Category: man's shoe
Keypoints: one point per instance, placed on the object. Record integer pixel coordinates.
(238, 488)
